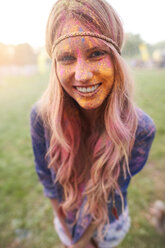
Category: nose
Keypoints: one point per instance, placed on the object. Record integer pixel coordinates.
(82, 71)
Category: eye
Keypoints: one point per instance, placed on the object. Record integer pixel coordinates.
(96, 54)
(66, 59)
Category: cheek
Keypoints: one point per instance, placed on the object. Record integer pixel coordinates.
(106, 74)
(62, 74)
(106, 70)
(107, 64)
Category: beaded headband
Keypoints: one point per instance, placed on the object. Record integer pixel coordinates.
(76, 34)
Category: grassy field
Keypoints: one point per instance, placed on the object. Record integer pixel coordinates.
(26, 219)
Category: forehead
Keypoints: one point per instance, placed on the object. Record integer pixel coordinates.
(83, 42)
(73, 25)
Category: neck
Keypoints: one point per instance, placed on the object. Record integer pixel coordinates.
(91, 116)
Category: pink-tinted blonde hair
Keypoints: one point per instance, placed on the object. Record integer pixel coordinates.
(109, 148)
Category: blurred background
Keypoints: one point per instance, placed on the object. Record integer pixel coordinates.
(26, 219)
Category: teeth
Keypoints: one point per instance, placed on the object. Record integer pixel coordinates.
(84, 90)
(87, 89)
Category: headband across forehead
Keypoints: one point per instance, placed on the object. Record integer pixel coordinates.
(77, 34)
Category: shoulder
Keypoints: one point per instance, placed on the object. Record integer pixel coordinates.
(146, 126)
(35, 117)
(36, 122)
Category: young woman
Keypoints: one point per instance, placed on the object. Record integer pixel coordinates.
(88, 137)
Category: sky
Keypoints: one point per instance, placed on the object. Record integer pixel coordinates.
(24, 21)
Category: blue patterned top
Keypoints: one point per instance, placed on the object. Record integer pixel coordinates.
(40, 142)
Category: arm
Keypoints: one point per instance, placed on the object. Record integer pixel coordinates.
(44, 174)
(144, 138)
(39, 151)
(56, 209)
(85, 240)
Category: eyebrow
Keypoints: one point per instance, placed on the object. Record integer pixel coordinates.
(63, 53)
(95, 48)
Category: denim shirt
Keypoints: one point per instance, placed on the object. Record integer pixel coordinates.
(40, 142)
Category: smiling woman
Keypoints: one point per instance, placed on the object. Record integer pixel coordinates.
(88, 137)
(84, 67)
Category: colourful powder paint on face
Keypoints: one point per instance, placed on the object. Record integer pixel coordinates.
(94, 101)
(85, 70)
(82, 39)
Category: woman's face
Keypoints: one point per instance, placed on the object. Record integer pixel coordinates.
(84, 67)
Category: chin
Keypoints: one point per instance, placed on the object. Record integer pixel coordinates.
(90, 106)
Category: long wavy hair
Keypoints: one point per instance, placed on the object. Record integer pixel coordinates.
(107, 151)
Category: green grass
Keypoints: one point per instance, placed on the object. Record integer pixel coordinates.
(26, 219)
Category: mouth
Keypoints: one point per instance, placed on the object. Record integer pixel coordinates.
(88, 90)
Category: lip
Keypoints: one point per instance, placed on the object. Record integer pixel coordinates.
(87, 94)
(86, 86)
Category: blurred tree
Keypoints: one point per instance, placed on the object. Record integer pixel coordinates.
(24, 55)
(2, 54)
(160, 45)
(21, 54)
(131, 46)
(6, 54)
